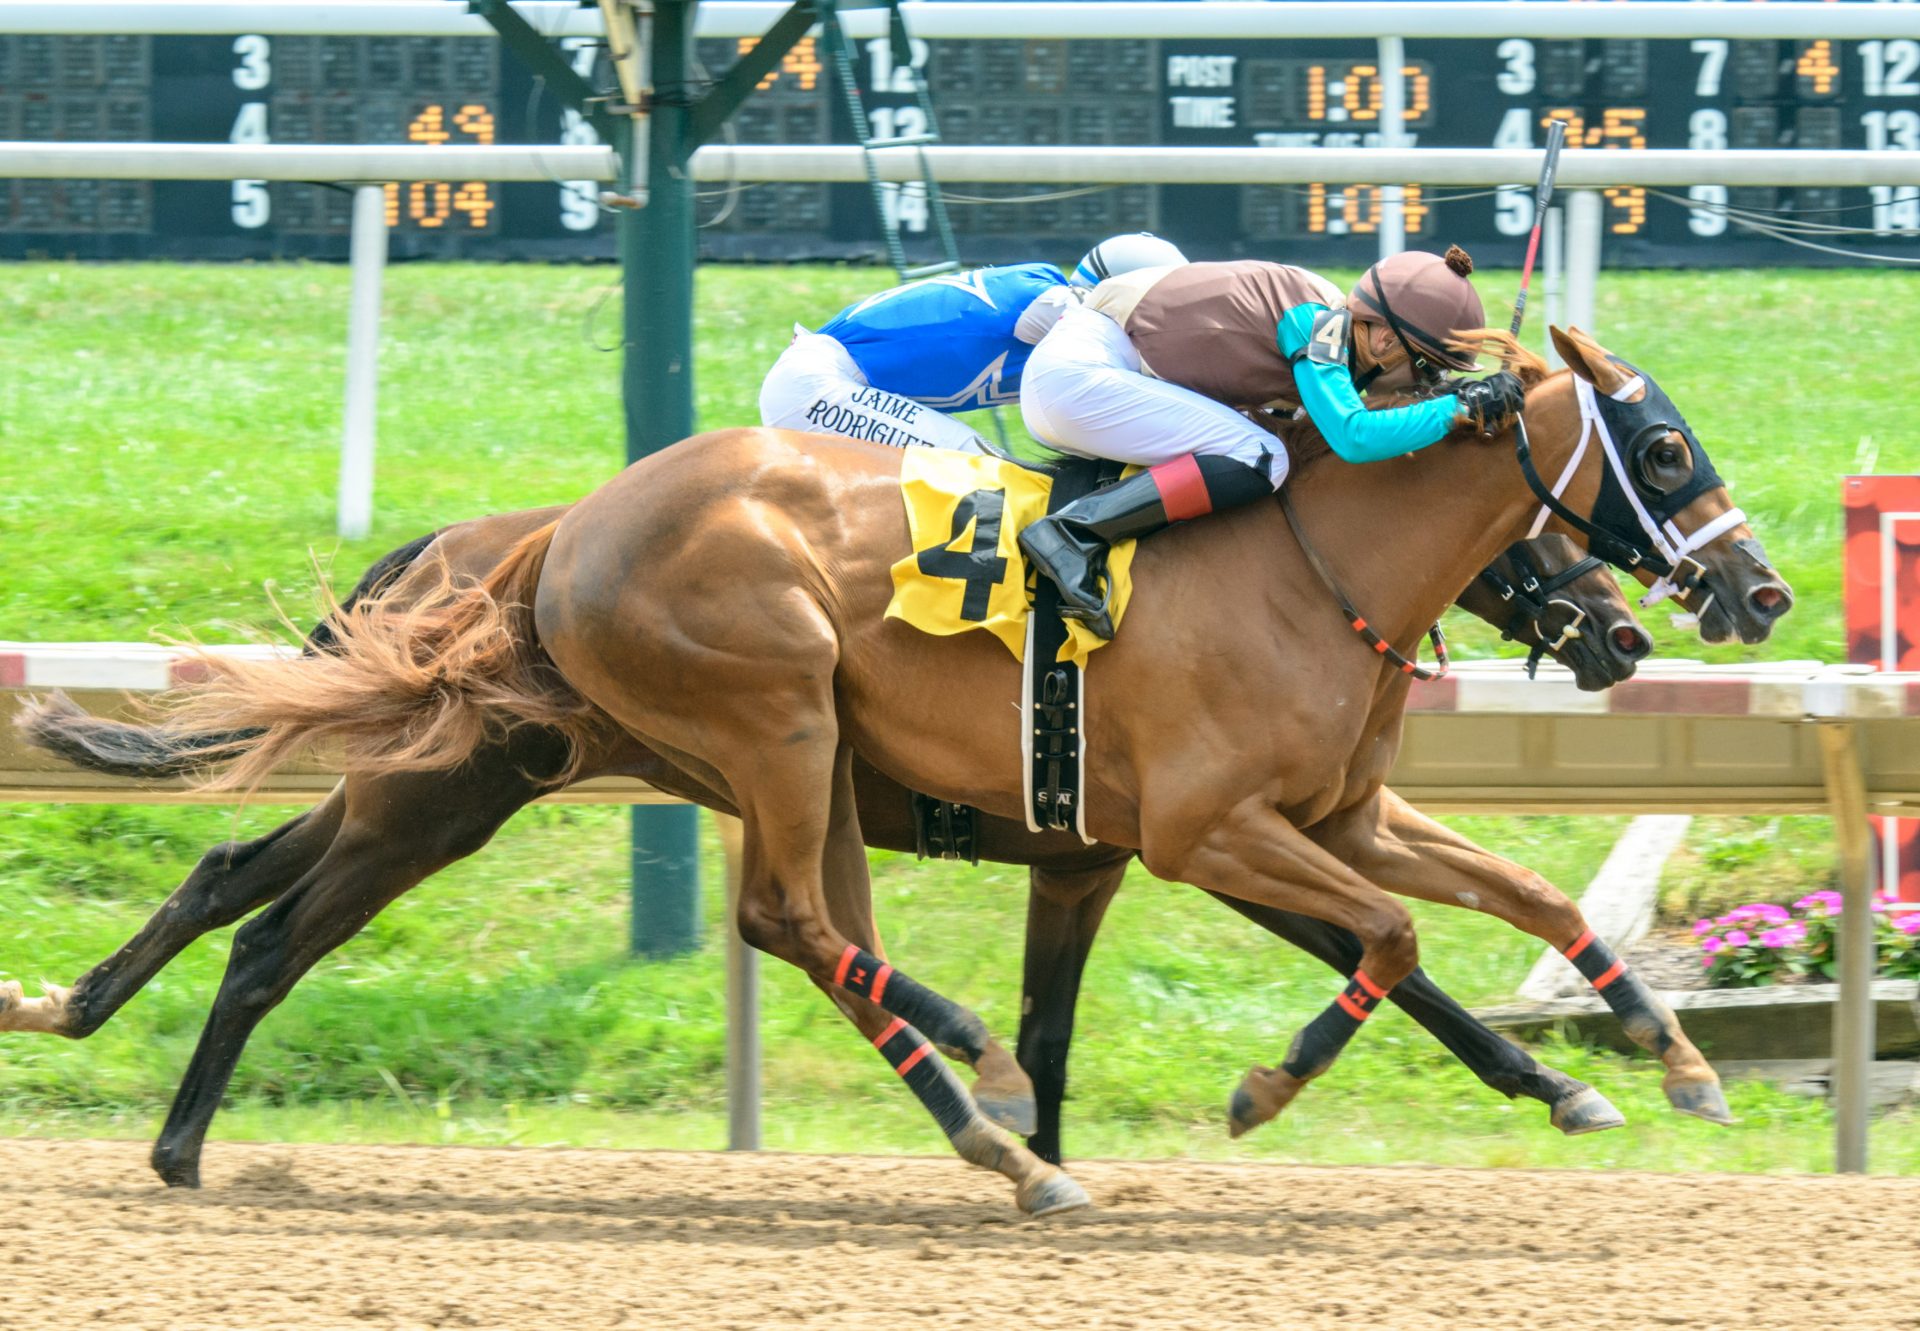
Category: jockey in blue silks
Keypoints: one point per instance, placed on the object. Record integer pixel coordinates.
(891, 367)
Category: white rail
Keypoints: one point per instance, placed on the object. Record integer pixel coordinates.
(1673, 168)
(304, 161)
(1221, 19)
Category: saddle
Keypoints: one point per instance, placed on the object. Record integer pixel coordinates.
(1053, 698)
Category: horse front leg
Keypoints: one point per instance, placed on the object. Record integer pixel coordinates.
(230, 880)
(1254, 854)
(1409, 853)
(1064, 910)
(1575, 1107)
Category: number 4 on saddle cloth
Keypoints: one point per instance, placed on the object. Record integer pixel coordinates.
(965, 514)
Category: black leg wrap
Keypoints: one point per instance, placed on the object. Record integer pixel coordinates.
(1322, 1039)
(1639, 1011)
(927, 1076)
(945, 1023)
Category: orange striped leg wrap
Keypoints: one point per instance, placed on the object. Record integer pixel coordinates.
(1624, 991)
(946, 1023)
(1592, 957)
(1322, 1039)
(926, 1075)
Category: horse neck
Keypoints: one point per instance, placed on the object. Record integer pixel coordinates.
(1405, 537)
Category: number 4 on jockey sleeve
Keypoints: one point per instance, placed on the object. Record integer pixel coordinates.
(1327, 344)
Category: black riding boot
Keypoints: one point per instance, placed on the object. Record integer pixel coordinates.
(1070, 546)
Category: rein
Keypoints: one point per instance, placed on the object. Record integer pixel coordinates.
(1355, 620)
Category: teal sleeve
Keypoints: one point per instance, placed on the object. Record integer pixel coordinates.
(1334, 405)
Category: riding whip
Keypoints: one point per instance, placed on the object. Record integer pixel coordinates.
(1542, 195)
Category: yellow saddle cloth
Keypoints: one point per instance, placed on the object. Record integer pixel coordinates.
(966, 572)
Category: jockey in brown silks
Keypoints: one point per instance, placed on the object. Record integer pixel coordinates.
(1176, 368)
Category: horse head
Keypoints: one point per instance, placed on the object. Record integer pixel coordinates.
(1657, 507)
(1550, 595)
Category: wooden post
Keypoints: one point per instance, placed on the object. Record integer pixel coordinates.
(1853, 1015)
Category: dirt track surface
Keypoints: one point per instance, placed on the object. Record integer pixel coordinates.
(319, 1236)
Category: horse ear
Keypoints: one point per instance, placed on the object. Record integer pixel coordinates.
(1590, 360)
(1569, 352)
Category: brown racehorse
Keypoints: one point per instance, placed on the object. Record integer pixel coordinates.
(737, 631)
(1071, 886)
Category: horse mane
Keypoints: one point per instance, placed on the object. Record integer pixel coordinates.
(1527, 365)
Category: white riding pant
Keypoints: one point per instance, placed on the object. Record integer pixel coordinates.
(815, 386)
(1083, 392)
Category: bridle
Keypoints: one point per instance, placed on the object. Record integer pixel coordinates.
(1533, 601)
(1621, 506)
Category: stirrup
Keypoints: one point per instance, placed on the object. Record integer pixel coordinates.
(1099, 621)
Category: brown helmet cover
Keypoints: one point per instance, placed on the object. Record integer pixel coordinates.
(1430, 296)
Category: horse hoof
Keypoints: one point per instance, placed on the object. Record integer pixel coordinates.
(1702, 1099)
(1014, 1112)
(1261, 1095)
(1242, 1118)
(175, 1171)
(1586, 1111)
(1051, 1194)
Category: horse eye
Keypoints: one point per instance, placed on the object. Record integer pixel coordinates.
(1667, 456)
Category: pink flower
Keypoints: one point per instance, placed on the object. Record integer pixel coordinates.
(1909, 922)
(1702, 927)
(1825, 902)
(1773, 938)
(1738, 938)
(1712, 945)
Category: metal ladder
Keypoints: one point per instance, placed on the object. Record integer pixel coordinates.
(887, 195)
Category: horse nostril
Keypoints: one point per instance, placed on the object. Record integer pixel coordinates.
(1630, 641)
(1770, 600)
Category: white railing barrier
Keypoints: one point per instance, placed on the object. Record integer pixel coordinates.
(1073, 19)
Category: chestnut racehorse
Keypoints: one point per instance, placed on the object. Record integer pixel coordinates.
(736, 630)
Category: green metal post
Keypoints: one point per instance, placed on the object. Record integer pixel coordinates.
(657, 256)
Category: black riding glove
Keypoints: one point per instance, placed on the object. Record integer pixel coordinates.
(1492, 403)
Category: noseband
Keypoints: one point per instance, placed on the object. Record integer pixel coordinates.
(1533, 600)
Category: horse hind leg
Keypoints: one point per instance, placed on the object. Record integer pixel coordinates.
(788, 910)
(231, 880)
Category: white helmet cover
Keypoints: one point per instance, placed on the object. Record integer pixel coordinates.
(1123, 254)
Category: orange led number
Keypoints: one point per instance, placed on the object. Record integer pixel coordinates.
(1816, 65)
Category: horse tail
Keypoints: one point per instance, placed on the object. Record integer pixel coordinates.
(59, 726)
(419, 686)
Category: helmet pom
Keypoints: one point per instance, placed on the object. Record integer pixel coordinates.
(1459, 260)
